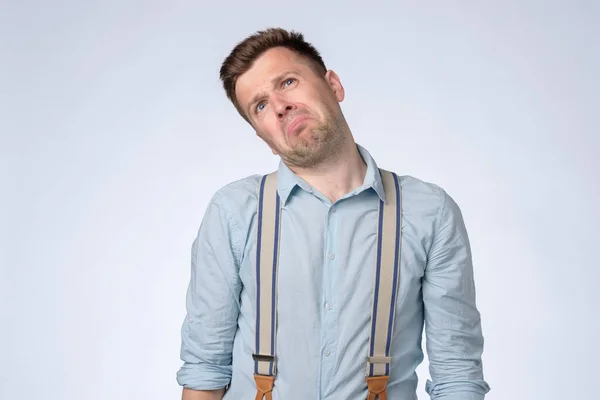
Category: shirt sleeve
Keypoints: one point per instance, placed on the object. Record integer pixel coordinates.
(452, 322)
(212, 303)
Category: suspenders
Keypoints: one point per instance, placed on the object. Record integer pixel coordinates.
(267, 259)
(386, 280)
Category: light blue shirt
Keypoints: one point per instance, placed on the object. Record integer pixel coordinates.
(326, 275)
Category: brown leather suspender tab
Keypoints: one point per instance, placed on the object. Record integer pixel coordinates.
(264, 386)
(377, 387)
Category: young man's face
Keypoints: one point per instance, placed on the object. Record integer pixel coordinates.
(292, 108)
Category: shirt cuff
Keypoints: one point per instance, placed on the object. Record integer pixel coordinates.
(459, 390)
(201, 376)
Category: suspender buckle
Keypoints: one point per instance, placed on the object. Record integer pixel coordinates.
(379, 360)
(376, 360)
(263, 357)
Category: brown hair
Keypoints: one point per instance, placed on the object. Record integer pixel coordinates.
(247, 51)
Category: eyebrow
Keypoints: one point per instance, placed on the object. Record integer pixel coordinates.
(274, 81)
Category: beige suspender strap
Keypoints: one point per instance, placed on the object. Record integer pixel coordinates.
(267, 258)
(387, 278)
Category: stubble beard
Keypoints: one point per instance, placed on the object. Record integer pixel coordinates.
(322, 145)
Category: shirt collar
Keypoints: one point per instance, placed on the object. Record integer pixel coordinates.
(287, 180)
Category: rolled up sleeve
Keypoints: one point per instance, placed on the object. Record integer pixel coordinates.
(212, 303)
(452, 322)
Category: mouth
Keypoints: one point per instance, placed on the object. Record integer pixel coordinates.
(294, 126)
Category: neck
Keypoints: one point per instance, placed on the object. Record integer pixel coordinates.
(339, 174)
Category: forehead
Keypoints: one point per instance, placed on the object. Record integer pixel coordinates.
(267, 66)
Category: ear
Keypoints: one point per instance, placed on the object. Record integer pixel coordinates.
(336, 85)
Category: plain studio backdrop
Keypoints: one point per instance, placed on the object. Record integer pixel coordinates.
(115, 133)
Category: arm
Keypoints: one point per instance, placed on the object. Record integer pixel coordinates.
(452, 321)
(189, 394)
(212, 305)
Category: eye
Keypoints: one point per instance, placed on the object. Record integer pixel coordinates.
(289, 81)
(260, 106)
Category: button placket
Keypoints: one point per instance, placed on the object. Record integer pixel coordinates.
(329, 317)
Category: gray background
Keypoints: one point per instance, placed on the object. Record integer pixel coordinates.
(115, 132)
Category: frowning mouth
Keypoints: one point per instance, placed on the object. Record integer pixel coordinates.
(295, 124)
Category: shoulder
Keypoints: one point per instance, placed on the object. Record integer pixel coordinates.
(429, 203)
(233, 207)
(237, 201)
(239, 192)
(420, 197)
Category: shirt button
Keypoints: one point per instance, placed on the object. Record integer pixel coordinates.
(331, 256)
(333, 209)
(328, 306)
(327, 352)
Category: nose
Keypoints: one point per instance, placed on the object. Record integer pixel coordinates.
(282, 106)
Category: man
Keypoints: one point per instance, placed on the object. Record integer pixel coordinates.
(330, 190)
